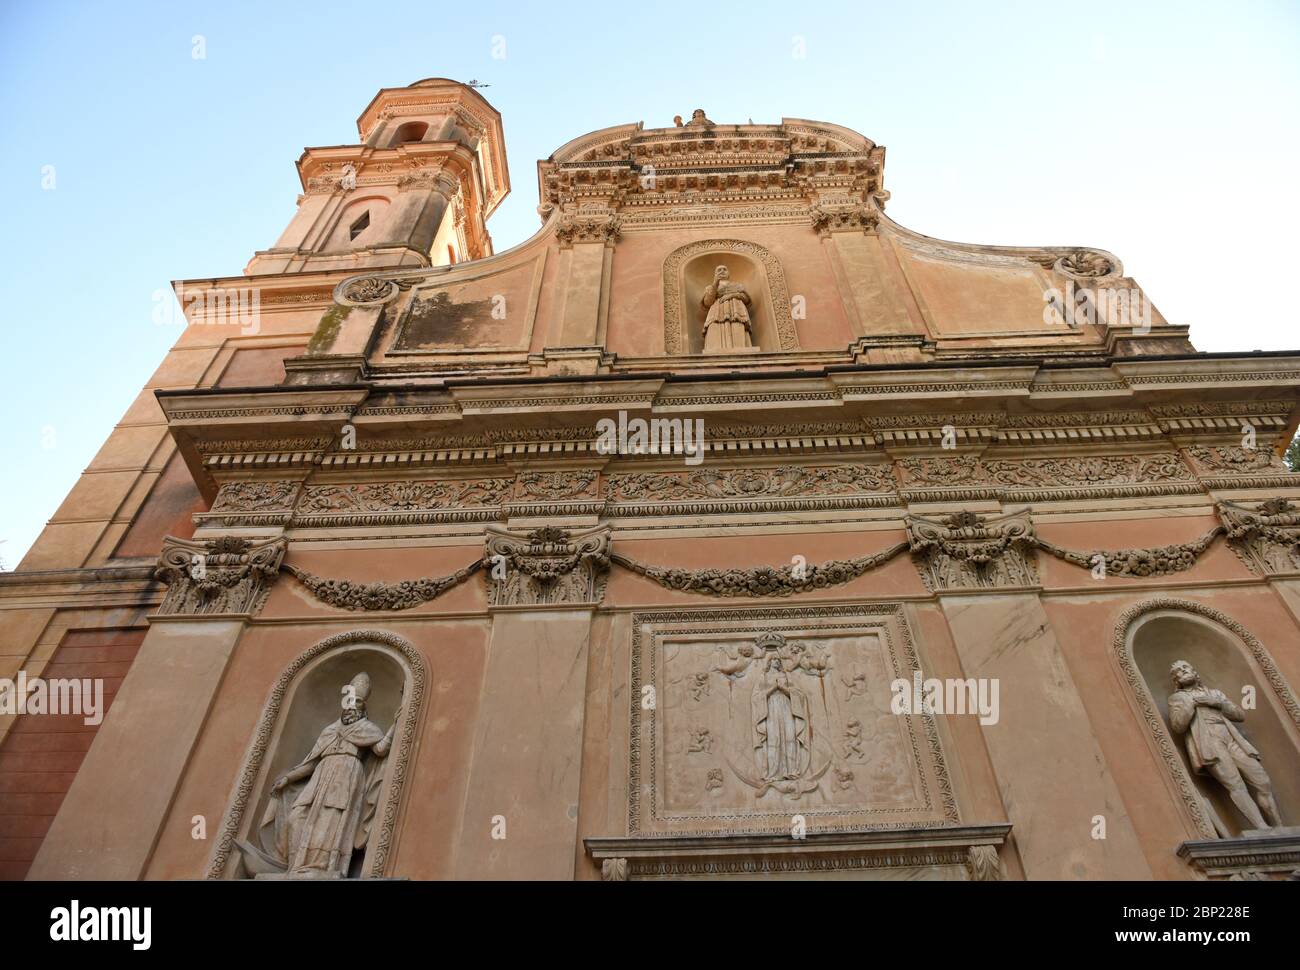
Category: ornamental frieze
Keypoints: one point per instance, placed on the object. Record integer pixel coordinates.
(255, 496)
(1235, 460)
(403, 496)
(245, 446)
(551, 486)
(553, 566)
(227, 574)
(943, 472)
(1119, 470)
(784, 481)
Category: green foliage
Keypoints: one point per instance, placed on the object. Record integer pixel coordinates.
(1292, 456)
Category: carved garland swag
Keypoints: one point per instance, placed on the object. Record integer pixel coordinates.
(963, 549)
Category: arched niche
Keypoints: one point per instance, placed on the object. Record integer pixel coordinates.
(411, 131)
(1148, 639)
(305, 699)
(688, 271)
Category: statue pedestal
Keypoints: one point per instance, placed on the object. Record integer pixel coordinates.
(299, 877)
(1255, 854)
(724, 351)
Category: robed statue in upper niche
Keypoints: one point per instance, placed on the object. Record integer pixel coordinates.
(726, 324)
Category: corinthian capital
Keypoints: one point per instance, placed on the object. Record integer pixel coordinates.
(971, 551)
(604, 227)
(227, 574)
(851, 216)
(548, 566)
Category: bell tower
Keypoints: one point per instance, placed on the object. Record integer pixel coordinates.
(417, 189)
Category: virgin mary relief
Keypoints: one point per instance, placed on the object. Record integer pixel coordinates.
(726, 323)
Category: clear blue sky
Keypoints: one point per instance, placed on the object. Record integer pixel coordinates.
(1165, 132)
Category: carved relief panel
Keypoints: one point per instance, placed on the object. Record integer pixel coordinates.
(744, 719)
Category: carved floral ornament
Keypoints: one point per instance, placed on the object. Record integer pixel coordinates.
(857, 484)
(371, 290)
(584, 227)
(228, 574)
(1086, 264)
(847, 215)
(555, 566)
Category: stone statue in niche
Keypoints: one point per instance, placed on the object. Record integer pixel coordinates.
(1204, 718)
(726, 322)
(321, 810)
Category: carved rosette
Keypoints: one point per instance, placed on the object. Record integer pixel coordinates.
(546, 567)
(970, 551)
(366, 291)
(228, 574)
(1265, 538)
(1084, 264)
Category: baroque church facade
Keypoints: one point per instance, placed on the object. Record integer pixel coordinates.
(725, 527)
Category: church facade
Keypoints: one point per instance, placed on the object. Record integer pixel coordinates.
(723, 528)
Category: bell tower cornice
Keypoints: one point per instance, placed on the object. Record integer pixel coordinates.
(325, 169)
